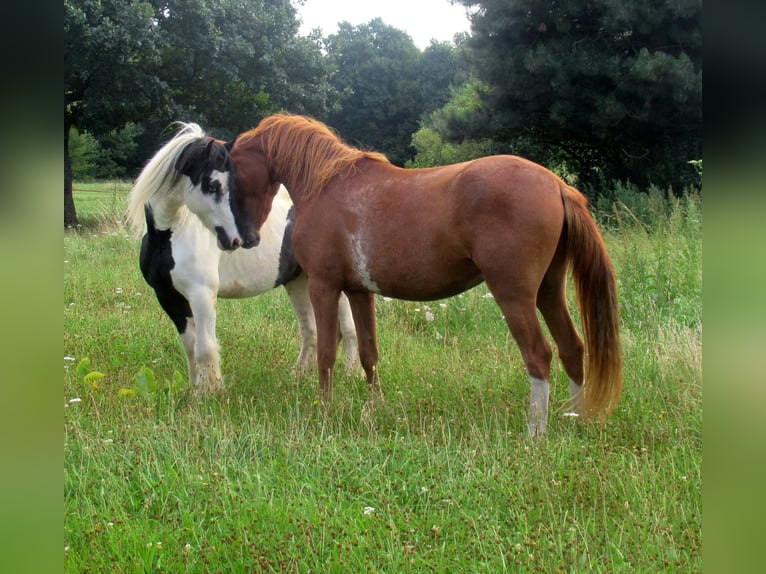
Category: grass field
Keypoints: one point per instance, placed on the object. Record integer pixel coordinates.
(439, 478)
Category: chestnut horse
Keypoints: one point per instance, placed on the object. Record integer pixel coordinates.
(364, 226)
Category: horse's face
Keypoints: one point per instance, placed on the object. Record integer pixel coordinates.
(252, 192)
(208, 193)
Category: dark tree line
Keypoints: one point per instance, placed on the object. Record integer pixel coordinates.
(611, 89)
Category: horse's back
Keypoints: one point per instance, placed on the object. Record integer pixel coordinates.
(511, 178)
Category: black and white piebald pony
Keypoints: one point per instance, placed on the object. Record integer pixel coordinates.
(180, 258)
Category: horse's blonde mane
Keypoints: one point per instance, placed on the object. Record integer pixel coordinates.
(158, 175)
(306, 149)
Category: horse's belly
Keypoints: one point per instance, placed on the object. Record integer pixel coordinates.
(246, 273)
(428, 282)
(429, 293)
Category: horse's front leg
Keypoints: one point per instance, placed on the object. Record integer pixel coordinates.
(363, 309)
(325, 302)
(206, 353)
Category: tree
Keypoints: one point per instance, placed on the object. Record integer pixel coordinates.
(376, 77)
(224, 63)
(455, 118)
(229, 63)
(612, 88)
(440, 67)
(109, 52)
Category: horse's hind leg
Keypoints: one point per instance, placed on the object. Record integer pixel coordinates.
(189, 339)
(348, 336)
(552, 302)
(297, 289)
(521, 318)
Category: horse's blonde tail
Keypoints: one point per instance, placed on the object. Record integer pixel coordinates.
(596, 286)
(157, 175)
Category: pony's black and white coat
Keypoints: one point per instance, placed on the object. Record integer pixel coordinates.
(181, 260)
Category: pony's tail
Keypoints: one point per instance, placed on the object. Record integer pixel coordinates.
(596, 286)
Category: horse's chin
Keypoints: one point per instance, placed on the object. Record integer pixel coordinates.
(228, 249)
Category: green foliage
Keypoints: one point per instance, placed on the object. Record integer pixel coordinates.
(224, 63)
(89, 377)
(105, 157)
(659, 244)
(614, 89)
(380, 93)
(440, 477)
(110, 50)
(453, 118)
(147, 387)
(432, 150)
(84, 150)
(230, 64)
(439, 68)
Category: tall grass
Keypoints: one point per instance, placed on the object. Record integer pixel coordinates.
(440, 477)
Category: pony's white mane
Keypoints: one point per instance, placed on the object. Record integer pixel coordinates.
(157, 177)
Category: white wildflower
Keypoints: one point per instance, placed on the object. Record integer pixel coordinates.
(368, 510)
(75, 400)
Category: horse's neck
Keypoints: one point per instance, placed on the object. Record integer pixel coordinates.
(169, 210)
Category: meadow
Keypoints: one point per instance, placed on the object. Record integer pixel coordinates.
(441, 477)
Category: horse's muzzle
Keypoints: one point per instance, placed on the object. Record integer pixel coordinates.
(224, 242)
(251, 239)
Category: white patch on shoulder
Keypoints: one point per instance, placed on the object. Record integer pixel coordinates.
(360, 262)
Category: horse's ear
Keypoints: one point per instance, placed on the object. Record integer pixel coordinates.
(230, 144)
(210, 148)
(183, 158)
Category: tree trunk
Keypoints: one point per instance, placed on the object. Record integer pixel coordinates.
(70, 213)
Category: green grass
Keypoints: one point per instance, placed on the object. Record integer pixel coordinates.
(439, 478)
(100, 205)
